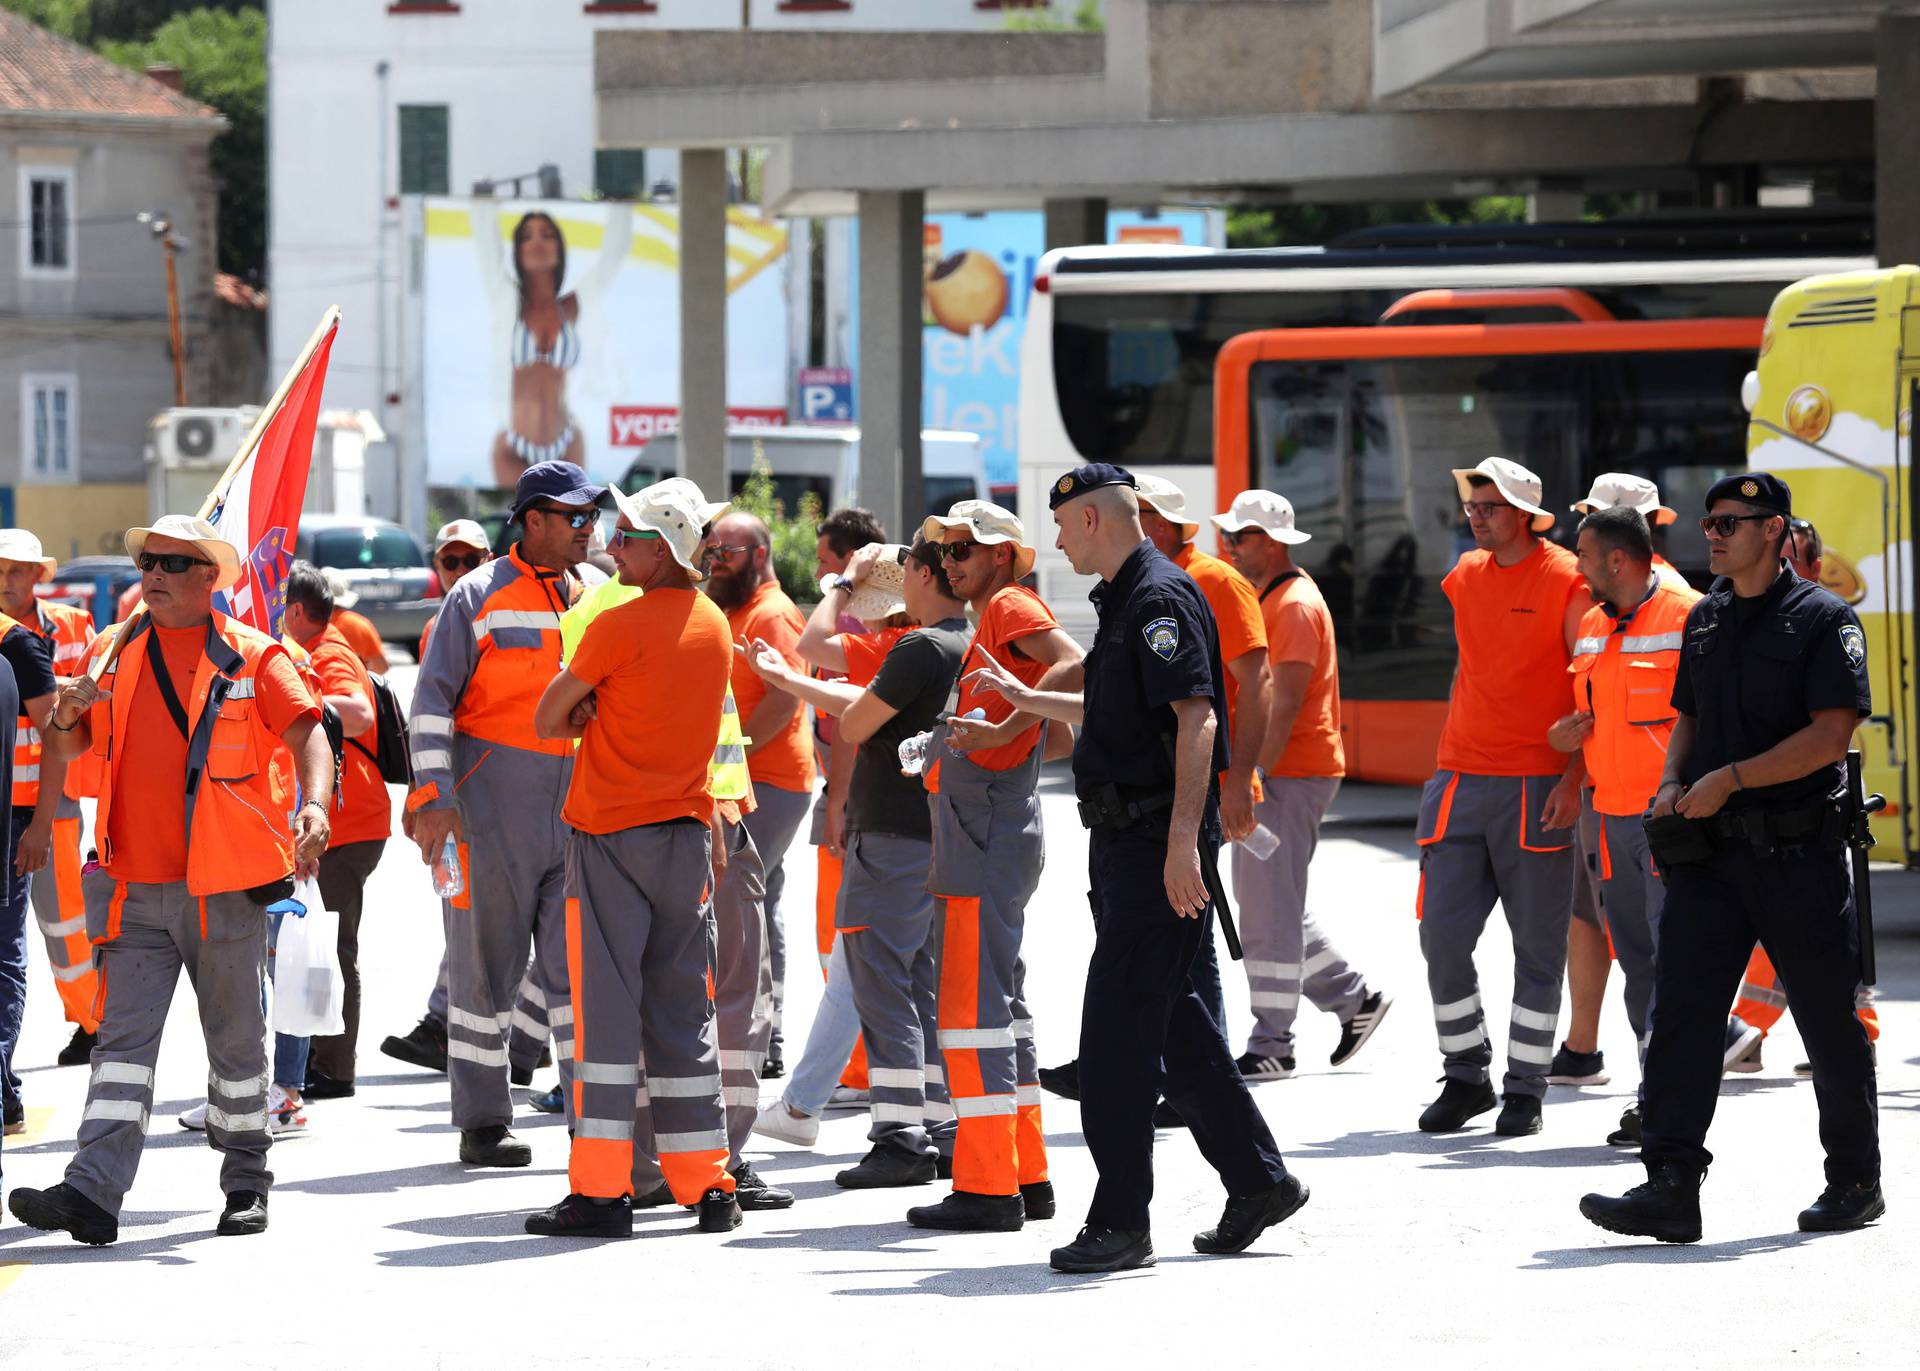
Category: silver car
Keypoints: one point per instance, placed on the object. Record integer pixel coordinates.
(381, 563)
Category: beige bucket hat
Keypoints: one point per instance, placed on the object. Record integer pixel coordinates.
(1520, 487)
(709, 511)
(19, 545)
(1612, 489)
(1167, 500)
(883, 590)
(1262, 509)
(201, 534)
(989, 524)
(675, 510)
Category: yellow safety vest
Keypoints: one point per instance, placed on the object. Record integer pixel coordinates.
(727, 776)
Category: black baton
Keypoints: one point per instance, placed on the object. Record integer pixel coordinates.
(1210, 873)
(1859, 844)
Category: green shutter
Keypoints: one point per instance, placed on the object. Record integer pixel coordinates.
(620, 173)
(423, 149)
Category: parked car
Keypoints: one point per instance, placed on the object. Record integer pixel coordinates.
(381, 563)
(94, 584)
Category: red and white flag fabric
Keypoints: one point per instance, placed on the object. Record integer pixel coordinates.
(258, 509)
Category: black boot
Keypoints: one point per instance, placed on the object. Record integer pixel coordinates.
(775, 1066)
(321, 1086)
(493, 1146)
(1103, 1249)
(965, 1212)
(1458, 1102)
(1665, 1207)
(1518, 1117)
(1842, 1207)
(1063, 1080)
(751, 1192)
(657, 1198)
(719, 1212)
(1246, 1217)
(1628, 1133)
(61, 1208)
(79, 1049)
(1037, 1199)
(580, 1217)
(425, 1046)
(884, 1166)
(246, 1212)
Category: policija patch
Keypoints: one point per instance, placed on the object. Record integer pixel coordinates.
(1854, 643)
(1163, 638)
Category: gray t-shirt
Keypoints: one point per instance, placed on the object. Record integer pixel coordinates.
(917, 679)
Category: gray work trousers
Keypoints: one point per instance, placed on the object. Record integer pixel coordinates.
(160, 935)
(1286, 953)
(1481, 843)
(885, 921)
(1631, 896)
(774, 823)
(529, 1032)
(516, 842)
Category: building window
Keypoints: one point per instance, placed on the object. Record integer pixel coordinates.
(47, 424)
(620, 173)
(423, 149)
(46, 244)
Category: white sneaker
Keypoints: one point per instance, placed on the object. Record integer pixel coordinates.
(846, 1097)
(774, 1121)
(195, 1118)
(285, 1115)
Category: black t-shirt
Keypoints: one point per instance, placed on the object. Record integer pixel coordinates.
(916, 679)
(31, 658)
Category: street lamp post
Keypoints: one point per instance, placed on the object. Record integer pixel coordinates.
(162, 228)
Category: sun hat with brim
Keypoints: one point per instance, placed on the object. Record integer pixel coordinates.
(464, 532)
(201, 534)
(672, 514)
(989, 524)
(883, 590)
(1518, 486)
(709, 511)
(1167, 500)
(344, 595)
(1617, 489)
(1262, 509)
(19, 545)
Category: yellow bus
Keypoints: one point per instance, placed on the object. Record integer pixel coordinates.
(1830, 410)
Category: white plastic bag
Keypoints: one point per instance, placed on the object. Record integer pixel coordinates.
(309, 993)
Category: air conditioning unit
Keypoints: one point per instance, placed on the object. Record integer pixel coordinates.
(199, 437)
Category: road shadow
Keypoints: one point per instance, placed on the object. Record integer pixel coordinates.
(57, 1249)
(788, 1161)
(1668, 1254)
(1454, 1150)
(487, 1239)
(408, 1178)
(178, 1137)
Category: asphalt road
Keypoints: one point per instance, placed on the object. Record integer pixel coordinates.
(1434, 1251)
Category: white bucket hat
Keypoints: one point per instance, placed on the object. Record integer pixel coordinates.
(1262, 509)
(708, 510)
(344, 595)
(201, 534)
(1518, 486)
(465, 532)
(1612, 489)
(674, 510)
(1167, 500)
(883, 590)
(18, 545)
(989, 524)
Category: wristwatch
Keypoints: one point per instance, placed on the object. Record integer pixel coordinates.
(834, 580)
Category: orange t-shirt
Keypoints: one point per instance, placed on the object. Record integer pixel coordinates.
(362, 637)
(1013, 613)
(1236, 613)
(1299, 629)
(364, 810)
(148, 827)
(1510, 623)
(658, 666)
(786, 759)
(866, 651)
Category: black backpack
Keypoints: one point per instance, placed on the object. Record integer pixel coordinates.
(389, 752)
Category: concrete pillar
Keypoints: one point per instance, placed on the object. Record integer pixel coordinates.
(1896, 141)
(1075, 223)
(1556, 206)
(891, 271)
(703, 320)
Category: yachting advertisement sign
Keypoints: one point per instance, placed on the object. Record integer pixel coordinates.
(551, 330)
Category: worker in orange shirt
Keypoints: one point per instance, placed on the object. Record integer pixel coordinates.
(1496, 819)
(363, 812)
(195, 840)
(55, 888)
(1302, 763)
(741, 581)
(355, 628)
(1623, 668)
(988, 846)
(641, 868)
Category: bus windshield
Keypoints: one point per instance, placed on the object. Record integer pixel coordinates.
(1364, 450)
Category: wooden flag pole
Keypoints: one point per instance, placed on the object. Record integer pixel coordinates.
(328, 322)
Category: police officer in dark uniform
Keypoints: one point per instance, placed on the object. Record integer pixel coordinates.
(1748, 830)
(1152, 741)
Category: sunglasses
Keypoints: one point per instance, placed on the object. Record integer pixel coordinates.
(173, 563)
(1482, 509)
(727, 550)
(1723, 525)
(466, 563)
(957, 552)
(576, 518)
(622, 536)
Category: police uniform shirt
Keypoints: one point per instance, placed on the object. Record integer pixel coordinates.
(1753, 672)
(1156, 644)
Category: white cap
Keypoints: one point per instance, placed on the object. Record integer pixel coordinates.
(18, 545)
(343, 595)
(1612, 489)
(1518, 486)
(1262, 509)
(1167, 500)
(882, 591)
(463, 531)
(674, 510)
(989, 524)
(201, 534)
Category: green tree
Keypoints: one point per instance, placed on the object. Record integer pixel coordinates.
(1085, 19)
(1291, 225)
(794, 536)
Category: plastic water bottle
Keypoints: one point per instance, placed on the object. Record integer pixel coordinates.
(449, 882)
(1262, 843)
(913, 754)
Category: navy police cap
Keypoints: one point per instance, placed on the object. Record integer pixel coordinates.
(1761, 489)
(1082, 479)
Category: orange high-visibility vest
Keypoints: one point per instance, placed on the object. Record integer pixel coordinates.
(67, 631)
(1623, 671)
(238, 834)
(26, 737)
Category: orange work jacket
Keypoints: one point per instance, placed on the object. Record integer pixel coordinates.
(1623, 671)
